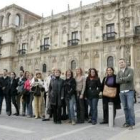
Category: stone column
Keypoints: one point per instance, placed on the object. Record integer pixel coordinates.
(132, 56)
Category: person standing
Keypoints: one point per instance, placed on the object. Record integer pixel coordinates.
(93, 88)
(21, 80)
(5, 81)
(13, 91)
(110, 81)
(70, 95)
(48, 109)
(38, 89)
(29, 94)
(125, 78)
(80, 89)
(56, 95)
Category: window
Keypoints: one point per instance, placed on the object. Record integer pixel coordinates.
(24, 46)
(74, 39)
(73, 64)
(110, 61)
(110, 28)
(74, 35)
(9, 19)
(46, 41)
(17, 20)
(44, 68)
(137, 29)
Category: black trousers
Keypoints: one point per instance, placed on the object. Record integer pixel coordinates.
(14, 101)
(64, 114)
(106, 100)
(7, 101)
(80, 110)
(86, 109)
(56, 113)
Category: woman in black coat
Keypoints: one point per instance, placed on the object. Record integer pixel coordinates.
(110, 81)
(56, 95)
(70, 95)
(93, 87)
(13, 91)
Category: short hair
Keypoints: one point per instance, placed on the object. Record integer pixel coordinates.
(5, 70)
(58, 70)
(22, 70)
(123, 59)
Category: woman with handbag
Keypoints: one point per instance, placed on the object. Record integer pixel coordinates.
(93, 87)
(38, 89)
(110, 93)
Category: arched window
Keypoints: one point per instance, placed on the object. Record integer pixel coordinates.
(110, 61)
(21, 68)
(73, 64)
(17, 20)
(44, 68)
(9, 19)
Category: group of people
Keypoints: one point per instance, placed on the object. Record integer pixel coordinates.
(74, 98)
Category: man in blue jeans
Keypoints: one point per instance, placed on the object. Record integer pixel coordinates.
(125, 78)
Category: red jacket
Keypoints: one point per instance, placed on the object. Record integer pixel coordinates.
(27, 85)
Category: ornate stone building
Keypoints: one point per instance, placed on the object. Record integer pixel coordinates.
(95, 35)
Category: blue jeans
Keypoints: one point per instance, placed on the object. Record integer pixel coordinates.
(127, 100)
(94, 108)
(29, 105)
(70, 106)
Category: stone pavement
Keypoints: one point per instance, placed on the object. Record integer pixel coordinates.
(23, 128)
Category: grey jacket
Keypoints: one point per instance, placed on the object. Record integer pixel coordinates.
(125, 79)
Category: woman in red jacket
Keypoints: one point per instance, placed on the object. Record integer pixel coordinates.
(29, 94)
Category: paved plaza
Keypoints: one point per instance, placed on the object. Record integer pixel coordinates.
(23, 128)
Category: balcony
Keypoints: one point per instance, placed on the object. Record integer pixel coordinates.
(21, 52)
(73, 42)
(137, 30)
(109, 36)
(44, 48)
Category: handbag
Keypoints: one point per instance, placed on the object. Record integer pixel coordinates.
(109, 91)
(37, 91)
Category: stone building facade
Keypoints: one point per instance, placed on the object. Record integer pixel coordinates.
(95, 35)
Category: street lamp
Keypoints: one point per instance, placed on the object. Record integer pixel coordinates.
(0, 45)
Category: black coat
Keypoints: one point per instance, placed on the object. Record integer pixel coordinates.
(93, 88)
(13, 87)
(5, 83)
(69, 88)
(56, 91)
(115, 100)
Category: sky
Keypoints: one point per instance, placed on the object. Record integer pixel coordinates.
(46, 6)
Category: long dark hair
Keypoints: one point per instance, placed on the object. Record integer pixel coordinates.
(70, 72)
(96, 72)
(109, 68)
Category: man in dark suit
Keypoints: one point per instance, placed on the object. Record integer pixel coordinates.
(5, 86)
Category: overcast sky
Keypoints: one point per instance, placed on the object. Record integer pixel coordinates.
(45, 6)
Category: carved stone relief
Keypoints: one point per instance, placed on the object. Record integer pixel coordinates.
(110, 16)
